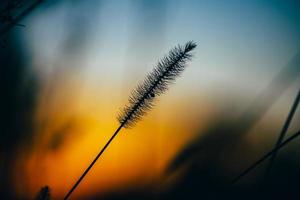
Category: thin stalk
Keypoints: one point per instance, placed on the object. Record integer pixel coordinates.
(15, 21)
(283, 131)
(94, 161)
(266, 156)
(142, 98)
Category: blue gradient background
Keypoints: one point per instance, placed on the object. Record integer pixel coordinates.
(89, 55)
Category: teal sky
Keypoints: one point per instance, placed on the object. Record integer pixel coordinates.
(242, 45)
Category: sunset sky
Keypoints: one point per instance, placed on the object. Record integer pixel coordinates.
(89, 55)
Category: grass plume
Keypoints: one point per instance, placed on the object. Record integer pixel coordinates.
(142, 98)
(156, 83)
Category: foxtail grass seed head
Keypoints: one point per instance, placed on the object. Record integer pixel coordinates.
(156, 83)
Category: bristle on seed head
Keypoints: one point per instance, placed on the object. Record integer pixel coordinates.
(156, 83)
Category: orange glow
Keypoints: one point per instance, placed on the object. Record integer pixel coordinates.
(136, 156)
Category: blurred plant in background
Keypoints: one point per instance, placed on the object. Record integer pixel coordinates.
(67, 66)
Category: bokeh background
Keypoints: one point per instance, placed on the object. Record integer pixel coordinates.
(67, 67)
